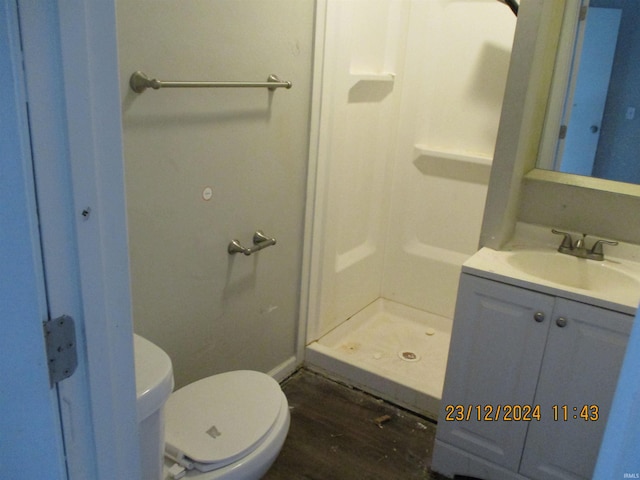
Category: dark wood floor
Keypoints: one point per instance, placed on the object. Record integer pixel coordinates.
(340, 433)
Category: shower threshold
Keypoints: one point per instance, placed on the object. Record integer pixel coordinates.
(391, 350)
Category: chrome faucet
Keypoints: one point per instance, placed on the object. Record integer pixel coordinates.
(579, 249)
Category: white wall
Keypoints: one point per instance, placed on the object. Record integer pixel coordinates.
(403, 166)
(211, 311)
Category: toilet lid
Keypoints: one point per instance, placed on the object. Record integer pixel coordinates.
(221, 418)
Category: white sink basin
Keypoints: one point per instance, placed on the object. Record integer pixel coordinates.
(573, 272)
(612, 283)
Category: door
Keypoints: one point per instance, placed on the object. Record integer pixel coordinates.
(577, 381)
(73, 136)
(592, 85)
(497, 343)
(74, 132)
(30, 432)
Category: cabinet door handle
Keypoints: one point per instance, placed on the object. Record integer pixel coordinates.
(561, 322)
(538, 316)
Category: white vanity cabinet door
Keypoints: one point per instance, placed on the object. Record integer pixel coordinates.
(580, 368)
(496, 351)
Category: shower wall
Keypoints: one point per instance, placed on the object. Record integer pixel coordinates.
(411, 98)
(363, 53)
(205, 166)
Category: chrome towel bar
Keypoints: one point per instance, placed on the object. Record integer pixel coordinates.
(260, 241)
(139, 82)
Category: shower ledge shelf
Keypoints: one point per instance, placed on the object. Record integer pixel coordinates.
(356, 78)
(424, 151)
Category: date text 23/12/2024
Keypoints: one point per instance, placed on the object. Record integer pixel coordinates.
(520, 413)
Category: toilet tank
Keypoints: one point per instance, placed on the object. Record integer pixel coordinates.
(154, 383)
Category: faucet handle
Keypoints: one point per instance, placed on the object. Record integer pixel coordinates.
(597, 247)
(567, 241)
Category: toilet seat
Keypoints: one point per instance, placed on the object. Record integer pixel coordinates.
(220, 419)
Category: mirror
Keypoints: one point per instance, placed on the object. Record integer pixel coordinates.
(520, 192)
(592, 127)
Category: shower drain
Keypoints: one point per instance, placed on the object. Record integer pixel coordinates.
(408, 356)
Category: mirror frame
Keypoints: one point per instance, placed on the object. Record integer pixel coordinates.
(520, 192)
(559, 86)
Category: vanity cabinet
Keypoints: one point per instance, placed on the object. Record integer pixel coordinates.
(529, 383)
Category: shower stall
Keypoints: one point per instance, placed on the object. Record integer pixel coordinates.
(407, 100)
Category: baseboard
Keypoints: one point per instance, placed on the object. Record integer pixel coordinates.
(285, 369)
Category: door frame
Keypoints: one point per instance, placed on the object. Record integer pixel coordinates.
(72, 86)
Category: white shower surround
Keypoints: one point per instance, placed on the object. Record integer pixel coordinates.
(409, 98)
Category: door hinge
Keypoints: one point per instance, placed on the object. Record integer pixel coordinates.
(60, 342)
(583, 13)
(563, 132)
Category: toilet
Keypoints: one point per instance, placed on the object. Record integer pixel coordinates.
(226, 426)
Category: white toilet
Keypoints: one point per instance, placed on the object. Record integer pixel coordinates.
(227, 426)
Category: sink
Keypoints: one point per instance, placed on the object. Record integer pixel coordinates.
(530, 259)
(573, 272)
(612, 283)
